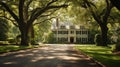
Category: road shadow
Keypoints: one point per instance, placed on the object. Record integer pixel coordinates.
(57, 56)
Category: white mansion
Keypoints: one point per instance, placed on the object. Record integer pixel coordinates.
(71, 34)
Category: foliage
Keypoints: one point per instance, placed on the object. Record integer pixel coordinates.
(114, 21)
(18, 39)
(26, 12)
(93, 30)
(40, 30)
(116, 3)
(4, 42)
(11, 41)
(14, 41)
(117, 46)
(9, 48)
(98, 40)
(78, 14)
(50, 38)
(14, 31)
(99, 11)
(101, 54)
(4, 29)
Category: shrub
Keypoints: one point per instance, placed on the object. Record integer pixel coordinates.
(117, 46)
(4, 29)
(50, 38)
(11, 40)
(98, 39)
(18, 39)
(4, 43)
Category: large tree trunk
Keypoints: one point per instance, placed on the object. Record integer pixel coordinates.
(31, 33)
(25, 39)
(27, 33)
(104, 31)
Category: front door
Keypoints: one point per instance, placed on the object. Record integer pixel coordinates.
(71, 39)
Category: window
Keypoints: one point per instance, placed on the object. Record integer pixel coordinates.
(72, 32)
(84, 32)
(72, 27)
(78, 32)
(62, 32)
(63, 27)
(78, 39)
(65, 32)
(59, 32)
(63, 39)
(84, 40)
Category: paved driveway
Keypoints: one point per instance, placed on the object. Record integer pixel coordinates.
(50, 56)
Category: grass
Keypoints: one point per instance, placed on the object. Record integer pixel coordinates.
(9, 48)
(101, 54)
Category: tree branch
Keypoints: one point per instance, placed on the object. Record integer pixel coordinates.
(37, 9)
(9, 10)
(13, 21)
(21, 5)
(26, 8)
(34, 11)
(44, 20)
(28, 3)
(51, 2)
(95, 16)
(107, 11)
(45, 15)
(116, 3)
(37, 14)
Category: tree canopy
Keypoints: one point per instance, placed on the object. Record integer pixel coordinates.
(4, 29)
(25, 12)
(116, 3)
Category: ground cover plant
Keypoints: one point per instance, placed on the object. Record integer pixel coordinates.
(101, 54)
(8, 48)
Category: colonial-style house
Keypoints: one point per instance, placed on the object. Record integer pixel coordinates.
(71, 34)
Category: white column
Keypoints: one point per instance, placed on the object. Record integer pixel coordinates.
(68, 35)
(74, 36)
(57, 34)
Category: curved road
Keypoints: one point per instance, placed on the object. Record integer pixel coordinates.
(50, 56)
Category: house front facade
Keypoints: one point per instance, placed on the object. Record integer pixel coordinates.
(71, 34)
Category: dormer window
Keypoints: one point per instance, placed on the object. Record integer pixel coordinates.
(63, 27)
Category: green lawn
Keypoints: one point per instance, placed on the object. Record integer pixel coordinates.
(101, 54)
(8, 48)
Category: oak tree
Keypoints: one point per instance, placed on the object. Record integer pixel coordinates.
(25, 12)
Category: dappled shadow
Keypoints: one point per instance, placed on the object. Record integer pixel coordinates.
(104, 57)
(57, 56)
